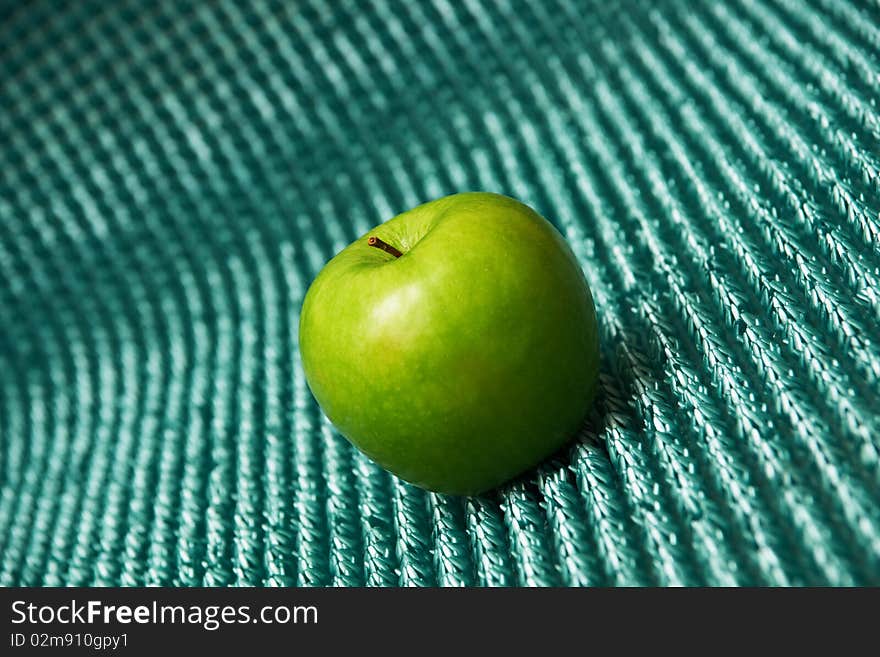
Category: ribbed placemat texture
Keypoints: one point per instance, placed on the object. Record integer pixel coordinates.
(173, 175)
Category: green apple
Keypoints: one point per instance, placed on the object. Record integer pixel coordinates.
(456, 344)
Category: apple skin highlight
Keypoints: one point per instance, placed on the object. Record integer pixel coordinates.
(466, 360)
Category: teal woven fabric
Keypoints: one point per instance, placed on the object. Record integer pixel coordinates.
(173, 175)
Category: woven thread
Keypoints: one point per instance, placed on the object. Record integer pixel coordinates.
(171, 179)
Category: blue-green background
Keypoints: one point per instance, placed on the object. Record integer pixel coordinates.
(172, 176)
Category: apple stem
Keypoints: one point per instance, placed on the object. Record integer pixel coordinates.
(385, 246)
